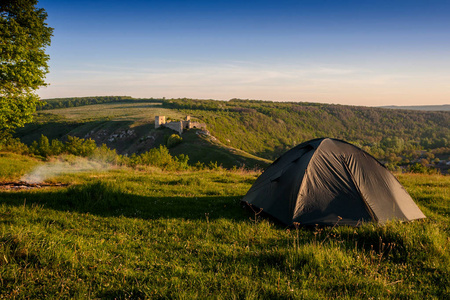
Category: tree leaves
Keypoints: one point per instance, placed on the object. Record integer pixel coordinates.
(23, 61)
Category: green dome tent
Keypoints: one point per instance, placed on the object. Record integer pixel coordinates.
(323, 180)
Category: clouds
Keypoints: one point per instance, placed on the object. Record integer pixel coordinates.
(350, 52)
(226, 80)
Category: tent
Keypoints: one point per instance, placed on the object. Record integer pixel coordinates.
(327, 181)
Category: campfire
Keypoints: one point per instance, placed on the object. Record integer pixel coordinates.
(23, 185)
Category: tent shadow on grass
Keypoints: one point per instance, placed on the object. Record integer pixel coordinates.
(107, 201)
(104, 200)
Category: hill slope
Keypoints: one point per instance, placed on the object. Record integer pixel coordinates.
(267, 129)
(261, 128)
(128, 127)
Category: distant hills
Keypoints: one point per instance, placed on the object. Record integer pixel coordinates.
(127, 125)
(445, 107)
(249, 132)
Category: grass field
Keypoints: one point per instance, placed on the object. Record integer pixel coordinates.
(137, 112)
(130, 234)
(14, 166)
(105, 122)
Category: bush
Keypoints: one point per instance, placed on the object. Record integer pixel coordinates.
(79, 147)
(74, 145)
(214, 166)
(173, 140)
(57, 147)
(421, 169)
(160, 157)
(106, 155)
(10, 144)
(41, 147)
(393, 167)
(182, 161)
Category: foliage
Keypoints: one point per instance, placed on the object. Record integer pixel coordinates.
(157, 157)
(80, 101)
(80, 147)
(127, 234)
(160, 157)
(174, 140)
(73, 145)
(421, 169)
(23, 62)
(10, 144)
(13, 166)
(267, 129)
(41, 147)
(418, 168)
(104, 154)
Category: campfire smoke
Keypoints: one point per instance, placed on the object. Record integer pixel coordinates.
(53, 169)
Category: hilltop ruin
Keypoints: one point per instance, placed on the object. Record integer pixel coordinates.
(178, 126)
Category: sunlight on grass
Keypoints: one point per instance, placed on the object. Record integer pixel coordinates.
(117, 112)
(125, 233)
(14, 166)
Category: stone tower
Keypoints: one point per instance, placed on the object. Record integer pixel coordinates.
(159, 120)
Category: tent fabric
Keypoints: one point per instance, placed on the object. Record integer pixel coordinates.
(327, 181)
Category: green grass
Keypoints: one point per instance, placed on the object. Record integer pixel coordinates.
(14, 166)
(268, 129)
(104, 121)
(207, 149)
(130, 234)
(247, 132)
(116, 111)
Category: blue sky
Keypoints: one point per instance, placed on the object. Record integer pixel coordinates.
(347, 52)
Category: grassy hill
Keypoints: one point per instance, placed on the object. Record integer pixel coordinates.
(245, 130)
(206, 148)
(143, 233)
(267, 129)
(128, 127)
(146, 234)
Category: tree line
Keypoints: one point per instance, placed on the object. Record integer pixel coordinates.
(80, 101)
(268, 129)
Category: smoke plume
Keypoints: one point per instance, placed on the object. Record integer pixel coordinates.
(60, 167)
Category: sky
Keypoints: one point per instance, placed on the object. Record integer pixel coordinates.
(356, 52)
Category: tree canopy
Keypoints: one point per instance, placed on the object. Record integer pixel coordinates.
(24, 35)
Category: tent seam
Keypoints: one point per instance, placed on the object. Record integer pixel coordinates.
(304, 178)
(369, 209)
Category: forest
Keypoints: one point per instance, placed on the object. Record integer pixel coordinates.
(399, 138)
(268, 129)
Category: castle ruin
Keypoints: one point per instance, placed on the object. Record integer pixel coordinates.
(178, 126)
(160, 120)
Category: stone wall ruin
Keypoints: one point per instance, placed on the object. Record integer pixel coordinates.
(179, 126)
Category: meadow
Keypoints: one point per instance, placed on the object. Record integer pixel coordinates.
(137, 112)
(144, 233)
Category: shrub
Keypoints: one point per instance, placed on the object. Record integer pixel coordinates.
(80, 147)
(74, 145)
(106, 155)
(214, 166)
(393, 167)
(41, 147)
(57, 147)
(182, 161)
(160, 157)
(10, 144)
(173, 140)
(199, 166)
(421, 169)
